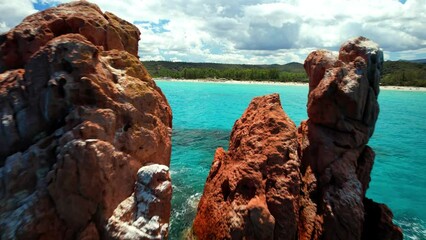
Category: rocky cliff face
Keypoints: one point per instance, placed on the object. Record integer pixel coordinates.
(85, 132)
(276, 182)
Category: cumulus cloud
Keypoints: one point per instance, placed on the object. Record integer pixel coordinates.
(12, 12)
(260, 31)
(328, 23)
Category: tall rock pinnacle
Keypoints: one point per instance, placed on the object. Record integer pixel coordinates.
(276, 182)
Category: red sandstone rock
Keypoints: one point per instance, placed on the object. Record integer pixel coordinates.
(342, 111)
(246, 193)
(79, 123)
(102, 29)
(316, 64)
(317, 192)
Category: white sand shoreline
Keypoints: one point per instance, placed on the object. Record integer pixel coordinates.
(225, 81)
(403, 88)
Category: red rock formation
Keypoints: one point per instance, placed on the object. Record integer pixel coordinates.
(102, 29)
(342, 110)
(85, 130)
(317, 192)
(246, 193)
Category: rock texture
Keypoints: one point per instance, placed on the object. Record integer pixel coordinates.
(276, 182)
(134, 218)
(85, 131)
(104, 30)
(246, 193)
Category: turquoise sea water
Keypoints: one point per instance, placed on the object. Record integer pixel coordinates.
(204, 113)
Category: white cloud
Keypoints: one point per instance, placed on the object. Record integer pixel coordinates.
(408, 54)
(262, 31)
(12, 12)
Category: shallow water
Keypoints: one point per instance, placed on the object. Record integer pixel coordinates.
(204, 113)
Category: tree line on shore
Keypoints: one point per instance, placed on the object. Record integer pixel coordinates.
(252, 74)
(395, 73)
(403, 73)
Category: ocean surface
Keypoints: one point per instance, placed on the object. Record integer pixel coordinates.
(204, 113)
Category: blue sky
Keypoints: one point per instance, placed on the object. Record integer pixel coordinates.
(256, 31)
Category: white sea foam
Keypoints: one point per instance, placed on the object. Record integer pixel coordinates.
(413, 228)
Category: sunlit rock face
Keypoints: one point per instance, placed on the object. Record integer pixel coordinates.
(104, 30)
(246, 193)
(279, 182)
(85, 131)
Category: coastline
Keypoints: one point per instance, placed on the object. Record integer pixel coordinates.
(226, 81)
(403, 88)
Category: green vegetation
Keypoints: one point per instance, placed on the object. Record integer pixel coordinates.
(403, 73)
(395, 73)
(292, 72)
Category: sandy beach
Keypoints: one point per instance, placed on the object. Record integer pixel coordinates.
(224, 81)
(403, 88)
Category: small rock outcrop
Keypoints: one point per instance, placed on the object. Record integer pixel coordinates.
(276, 182)
(85, 132)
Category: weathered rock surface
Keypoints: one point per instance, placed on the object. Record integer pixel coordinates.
(342, 110)
(246, 193)
(102, 29)
(85, 131)
(133, 219)
(276, 183)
